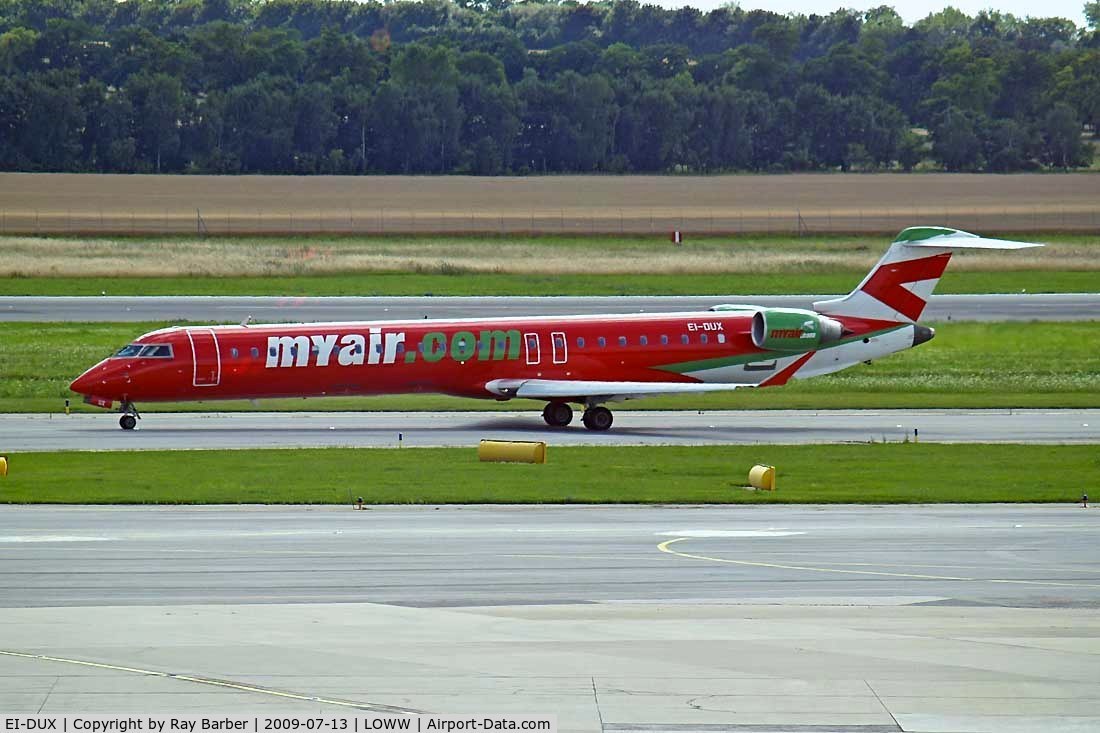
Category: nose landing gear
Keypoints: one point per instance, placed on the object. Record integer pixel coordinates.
(130, 416)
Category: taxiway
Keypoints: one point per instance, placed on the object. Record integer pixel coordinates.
(172, 431)
(234, 309)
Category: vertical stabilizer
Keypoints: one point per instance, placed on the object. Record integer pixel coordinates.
(899, 286)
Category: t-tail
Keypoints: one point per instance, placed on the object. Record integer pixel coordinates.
(899, 286)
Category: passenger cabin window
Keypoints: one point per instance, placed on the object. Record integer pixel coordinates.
(664, 340)
(702, 338)
(721, 338)
(131, 350)
(685, 340)
(580, 342)
(602, 342)
(234, 353)
(622, 341)
(644, 341)
(255, 353)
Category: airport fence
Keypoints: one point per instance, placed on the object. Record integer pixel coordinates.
(232, 222)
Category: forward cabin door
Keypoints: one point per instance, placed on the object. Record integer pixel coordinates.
(561, 348)
(206, 357)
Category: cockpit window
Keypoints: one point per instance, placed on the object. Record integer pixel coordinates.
(155, 351)
(161, 351)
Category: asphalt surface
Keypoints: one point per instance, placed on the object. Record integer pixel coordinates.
(233, 309)
(166, 431)
(1030, 556)
(866, 620)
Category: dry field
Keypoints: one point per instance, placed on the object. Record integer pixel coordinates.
(25, 256)
(120, 204)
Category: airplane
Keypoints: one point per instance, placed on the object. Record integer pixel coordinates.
(588, 360)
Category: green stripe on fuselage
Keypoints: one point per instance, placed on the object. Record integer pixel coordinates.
(719, 362)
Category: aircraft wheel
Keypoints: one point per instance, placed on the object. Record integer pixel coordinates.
(557, 414)
(598, 418)
(127, 422)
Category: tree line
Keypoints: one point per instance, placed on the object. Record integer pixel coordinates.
(501, 87)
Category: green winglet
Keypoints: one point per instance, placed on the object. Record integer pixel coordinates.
(917, 234)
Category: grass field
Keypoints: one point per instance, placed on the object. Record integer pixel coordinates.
(34, 203)
(403, 283)
(873, 473)
(966, 365)
(549, 265)
(546, 255)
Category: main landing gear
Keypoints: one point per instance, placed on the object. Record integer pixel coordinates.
(597, 418)
(557, 414)
(130, 416)
(560, 414)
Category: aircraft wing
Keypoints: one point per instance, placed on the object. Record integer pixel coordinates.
(566, 389)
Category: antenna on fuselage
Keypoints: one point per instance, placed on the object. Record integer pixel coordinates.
(247, 320)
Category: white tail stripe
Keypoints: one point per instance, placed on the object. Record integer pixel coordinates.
(900, 294)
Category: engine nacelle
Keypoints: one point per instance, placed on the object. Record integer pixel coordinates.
(790, 329)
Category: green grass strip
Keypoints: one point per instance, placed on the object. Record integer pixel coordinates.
(472, 284)
(995, 365)
(819, 474)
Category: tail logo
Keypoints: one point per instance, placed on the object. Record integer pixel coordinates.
(887, 283)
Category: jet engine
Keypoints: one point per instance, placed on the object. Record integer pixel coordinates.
(790, 329)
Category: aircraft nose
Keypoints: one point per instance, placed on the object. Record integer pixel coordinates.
(94, 380)
(83, 383)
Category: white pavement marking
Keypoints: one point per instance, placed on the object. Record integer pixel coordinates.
(52, 538)
(666, 547)
(730, 533)
(211, 682)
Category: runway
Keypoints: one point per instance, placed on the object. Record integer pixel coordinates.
(232, 309)
(171, 431)
(920, 619)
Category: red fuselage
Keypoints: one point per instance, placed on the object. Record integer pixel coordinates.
(457, 357)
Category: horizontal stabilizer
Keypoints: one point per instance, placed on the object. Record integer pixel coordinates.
(945, 238)
(568, 389)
